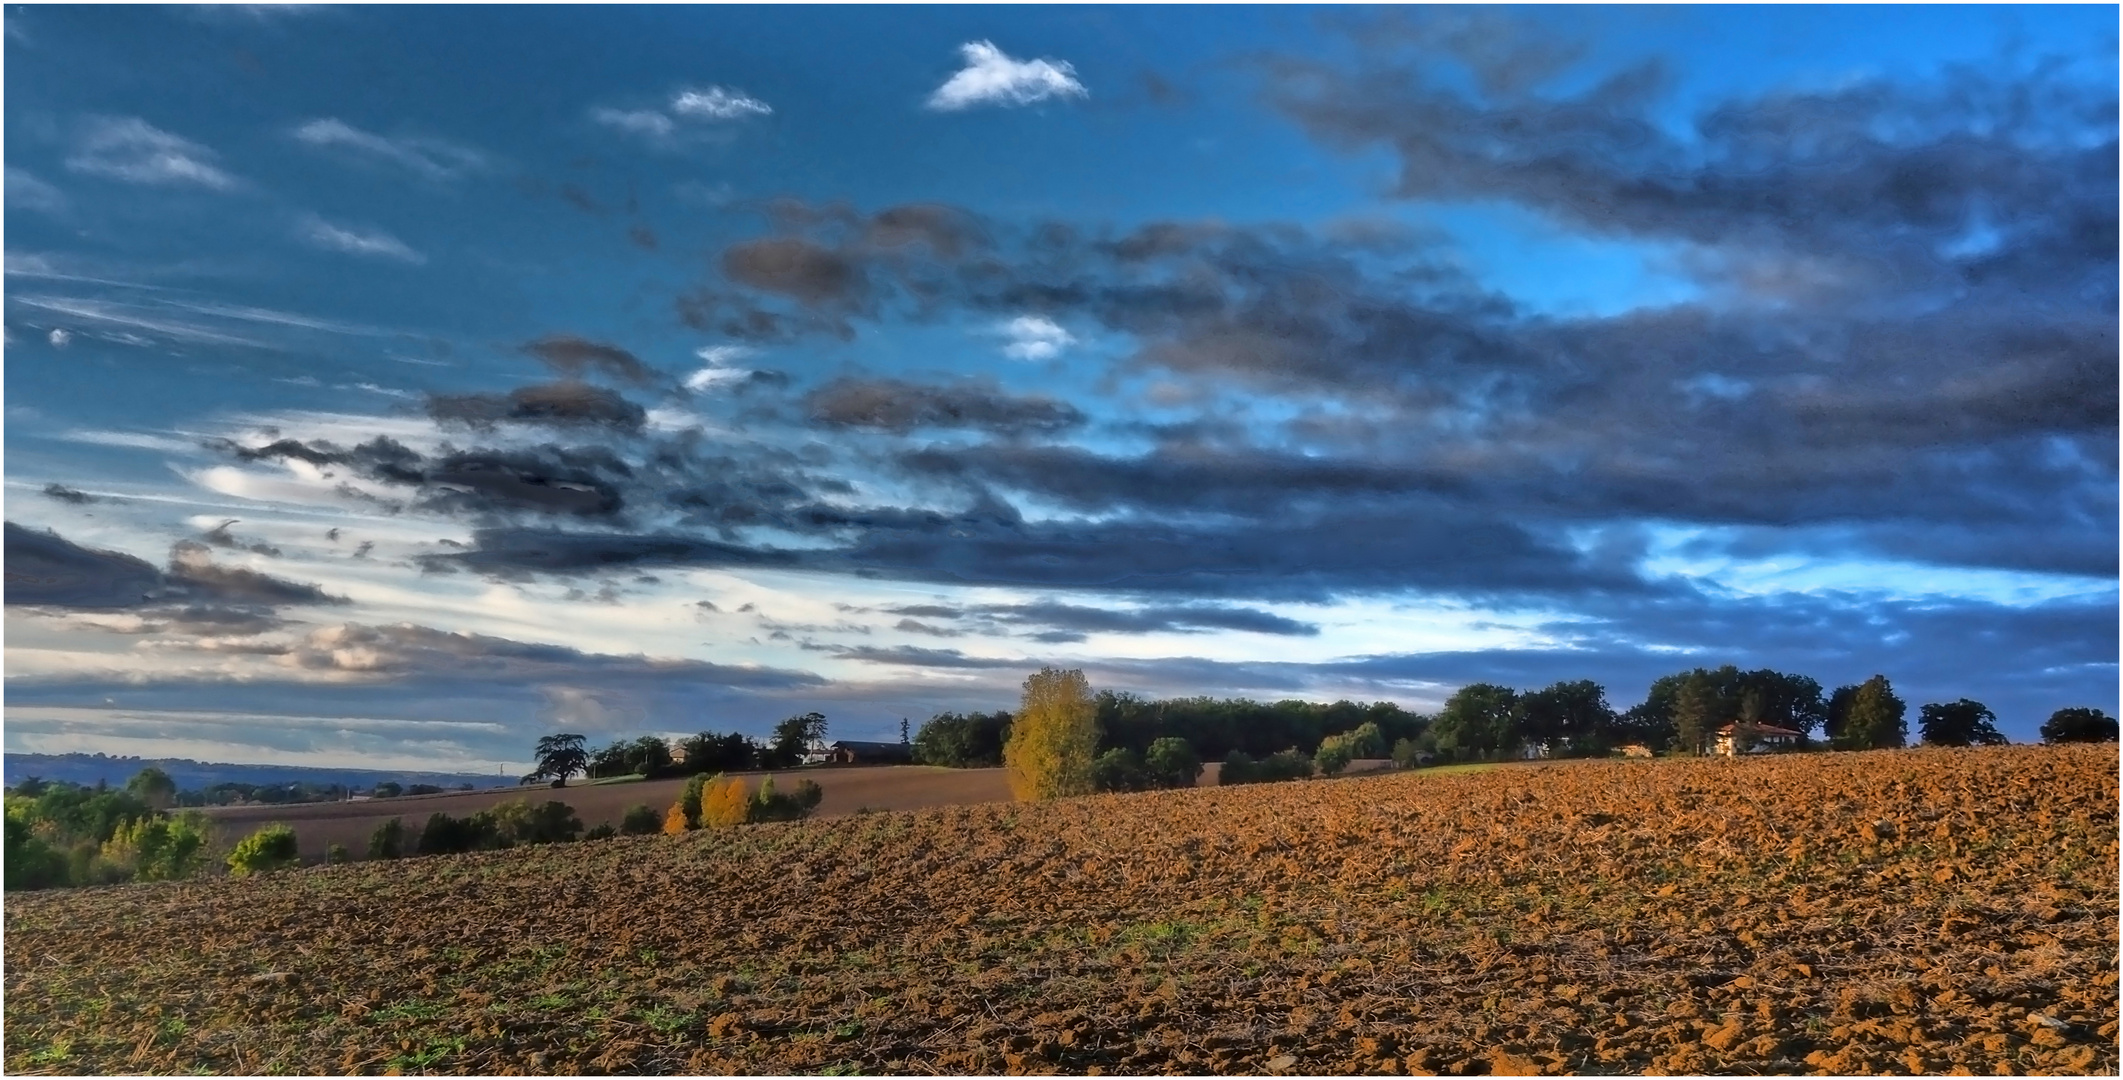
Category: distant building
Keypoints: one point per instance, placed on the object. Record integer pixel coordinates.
(849, 752)
(1762, 738)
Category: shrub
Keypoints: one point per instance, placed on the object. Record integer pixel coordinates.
(388, 841)
(1172, 763)
(1406, 754)
(1334, 756)
(771, 805)
(1239, 768)
(31, 863)
(724, 805)
(1119, 770)
(1287, 765)
(517, 822)
(270, 848)
(604, 831)
(337, 854)
(674, 822)
(639, 820)
(446, 835)
(160, 848)
(690, 801)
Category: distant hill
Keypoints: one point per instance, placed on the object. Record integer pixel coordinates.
(191, 775)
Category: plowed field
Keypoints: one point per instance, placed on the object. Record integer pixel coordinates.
(1924, 911)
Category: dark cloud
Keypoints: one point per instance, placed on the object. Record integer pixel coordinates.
(194, 572)
(219, 536)
(68, 495)
(915, 656)
(47, 570)
(898, 406)
(547, 480)
(561, 404)
(573, 357)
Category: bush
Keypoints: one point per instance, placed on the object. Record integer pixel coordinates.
(639, 820)
(31, 863)
(690, 801)
(1119, 770)
(674, 822)
(1407, 754)
(270, 848)
(517, 822)
(446, 835)
(724, 805)
(388, 841)
(771, 805)
(337, 855)
(604, 831)
(1172, 763)
(160, 848)
(1287, 765)
(1334, 756)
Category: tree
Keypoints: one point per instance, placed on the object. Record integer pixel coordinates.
(388, 841)
(1573, 714)
(963, 741)
(709, 752)
(153, 787)
(2079, 725)
(1119, 769)
(1172, 763)
(1873, 719)
(1407, 754)
(1333, 756)
(389, 789)
(1482, 717)
(640, 820)
(1692, 713)
(793, 739)
(1054, 737)
(610, 760)
(559, 757)
(1959, 723)
(724, 805)
(270, 848)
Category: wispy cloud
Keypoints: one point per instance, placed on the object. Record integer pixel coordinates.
(992, 77)
(109, 314)
(436, 159)
(690, 113)
(718, 359)
(718, 103)
(131, 149)
(646, 122)
(26, 192)
(372, 243)
(1035, 337)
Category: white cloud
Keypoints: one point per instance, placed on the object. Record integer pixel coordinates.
(125, 315)
(718, 103)
(332, 237)
(992, 78)
(1035, 337)
(647, 122)
(717, 358)
(131, 149)
(432, 158)
(24, 190)
(60, 339)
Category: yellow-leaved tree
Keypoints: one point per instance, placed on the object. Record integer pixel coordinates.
(674, 822)
(725, 804)
(1053, 737)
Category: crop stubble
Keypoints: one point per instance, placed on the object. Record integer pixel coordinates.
(1931, 911)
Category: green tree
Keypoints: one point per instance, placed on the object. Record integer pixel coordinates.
(1119, 769)
(1333, 756)
(1053, 738)
(1172, 763)
(793, 738)
(388, 840)
(1873, 719)
(2079, 725)
(270, 848)
(559, 757)
(963, 741)
(1482, 717)
(153, 787)
(1693, 713)
(1407, 754)
(1572, 717)
(1959, 723)
(641, 820)
(388, 790)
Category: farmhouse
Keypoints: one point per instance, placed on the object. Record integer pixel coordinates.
(847, 752)
(1762, 738)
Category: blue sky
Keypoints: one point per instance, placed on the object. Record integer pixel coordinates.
(399, 384)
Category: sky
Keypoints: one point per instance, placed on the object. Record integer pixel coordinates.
(390, 386)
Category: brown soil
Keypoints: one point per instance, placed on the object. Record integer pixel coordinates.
(1886, 912)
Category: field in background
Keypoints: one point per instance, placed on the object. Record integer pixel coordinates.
(885, 787)
(1915, 911)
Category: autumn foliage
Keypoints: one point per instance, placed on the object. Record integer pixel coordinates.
(1054, 737)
